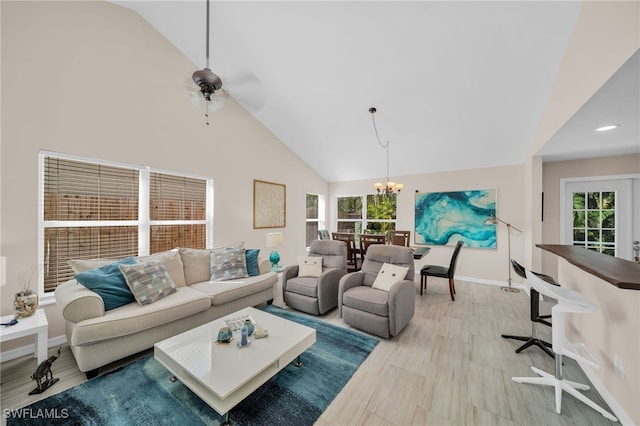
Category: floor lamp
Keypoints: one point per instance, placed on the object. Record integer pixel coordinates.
(493, 220)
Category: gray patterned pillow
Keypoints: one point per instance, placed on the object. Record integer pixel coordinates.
(148, 281)
(228, 264)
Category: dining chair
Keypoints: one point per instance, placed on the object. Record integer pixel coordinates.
(367, 240)
(399, 238)
(442, 271)
(323, 234)
(352, 255)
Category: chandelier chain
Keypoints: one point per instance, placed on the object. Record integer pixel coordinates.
(384, 146)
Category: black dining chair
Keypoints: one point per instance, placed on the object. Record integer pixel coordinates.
(442, 271)
(534, 312)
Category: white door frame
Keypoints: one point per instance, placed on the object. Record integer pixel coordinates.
(627, 207)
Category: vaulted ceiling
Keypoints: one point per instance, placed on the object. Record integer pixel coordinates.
(457, 84)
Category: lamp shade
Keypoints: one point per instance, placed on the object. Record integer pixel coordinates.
(274, 239)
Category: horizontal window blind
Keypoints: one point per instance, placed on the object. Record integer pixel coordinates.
(92, 210)
(174, 197)
(75, 190)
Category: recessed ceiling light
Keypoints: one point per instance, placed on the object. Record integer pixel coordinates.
(605, 128)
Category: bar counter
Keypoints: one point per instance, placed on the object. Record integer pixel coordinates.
(621, 273)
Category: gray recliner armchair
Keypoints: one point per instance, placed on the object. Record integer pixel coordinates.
(316, 295)
(379, 312)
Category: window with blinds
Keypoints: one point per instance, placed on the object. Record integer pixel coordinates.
(177, 208)
(91, 210)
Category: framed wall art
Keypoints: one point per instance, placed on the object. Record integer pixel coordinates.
(443, 218)
(269, 205)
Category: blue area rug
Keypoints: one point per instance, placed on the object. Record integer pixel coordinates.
(141, 393)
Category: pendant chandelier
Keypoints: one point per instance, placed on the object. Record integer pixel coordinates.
(388, 187)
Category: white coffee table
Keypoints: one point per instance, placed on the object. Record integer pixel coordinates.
(35, 324)
(222, 374)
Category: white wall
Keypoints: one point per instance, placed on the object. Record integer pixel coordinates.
(94, 79)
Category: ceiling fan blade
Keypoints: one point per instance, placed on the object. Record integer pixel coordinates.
(246, 89)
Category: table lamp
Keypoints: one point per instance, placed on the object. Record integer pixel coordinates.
(274, 239)
(493, 220)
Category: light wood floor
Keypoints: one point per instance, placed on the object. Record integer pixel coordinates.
(450, 366)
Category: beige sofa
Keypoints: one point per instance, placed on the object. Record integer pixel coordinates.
(98, 337)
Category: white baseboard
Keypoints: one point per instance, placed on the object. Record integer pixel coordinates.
(30, 349)
(618, 411)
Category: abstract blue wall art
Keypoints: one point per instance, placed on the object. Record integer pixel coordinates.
(443, 218)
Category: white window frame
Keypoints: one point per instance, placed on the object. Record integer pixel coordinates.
(320, 220)
(143, 223)
(364, 220)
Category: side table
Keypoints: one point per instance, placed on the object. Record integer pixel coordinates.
(35, 324)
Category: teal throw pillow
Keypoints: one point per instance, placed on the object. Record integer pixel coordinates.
(253, 267)
(109, 283)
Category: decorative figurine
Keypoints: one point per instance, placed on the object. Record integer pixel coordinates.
(43, 375)
(244, 337)
(225, 335)
(250, 327)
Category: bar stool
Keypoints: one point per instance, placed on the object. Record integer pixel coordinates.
(534, 313)
(568, 301)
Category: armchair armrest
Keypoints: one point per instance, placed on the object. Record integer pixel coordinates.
(350, 280)
(77, 303)
(328, 283)
(402, 305)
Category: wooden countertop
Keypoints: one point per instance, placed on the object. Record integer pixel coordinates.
(619, 272)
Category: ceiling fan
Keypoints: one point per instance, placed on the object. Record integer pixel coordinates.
(212, 93)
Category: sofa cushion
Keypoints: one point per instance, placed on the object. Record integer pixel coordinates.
(307, 286)
(253, 266)
(225, 291)
(228, 264)
(83, 265)
(197, 263)
(172, 261)
(109, 283)
(148, 281)
(367, 299)
(133, 318)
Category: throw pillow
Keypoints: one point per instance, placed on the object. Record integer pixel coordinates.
(389, 275)
(197, 262)
(228, 264)
(253, 266)
(148, 281)
(109, 283)
(84, 265)
(172, 261)
(309, 266)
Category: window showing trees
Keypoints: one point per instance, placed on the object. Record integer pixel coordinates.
(312, 218)
(350, 214)
(369, 214)
(594, 221)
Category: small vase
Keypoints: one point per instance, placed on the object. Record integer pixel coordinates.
(25, 304)
(250, 327)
